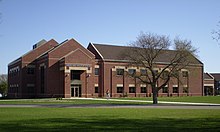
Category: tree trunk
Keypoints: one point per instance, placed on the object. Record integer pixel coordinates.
(155, 91)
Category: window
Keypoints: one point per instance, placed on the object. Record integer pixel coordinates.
(30, 70)
(132, 89)
(42, 78)
(143, 90)
(175, 89)
(96, 71)
(30, 89)
(155, 72)
(120, 89)
(96, 89)
(165, 89)
(143, 72)
(185, 90)
(165, 74)
(120, 71)
(75, 75)
(185, 73)
(131, 71)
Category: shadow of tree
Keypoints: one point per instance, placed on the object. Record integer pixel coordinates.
(114, 124)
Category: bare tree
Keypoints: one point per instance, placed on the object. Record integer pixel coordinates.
(3, 84)
(216, 33)
(147, 51)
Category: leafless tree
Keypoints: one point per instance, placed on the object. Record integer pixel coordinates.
(147, 51)
(3, 84)
(216, 33)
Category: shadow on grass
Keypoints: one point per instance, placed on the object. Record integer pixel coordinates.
(111, 124)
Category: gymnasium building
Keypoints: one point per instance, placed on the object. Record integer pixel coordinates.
(70, 70)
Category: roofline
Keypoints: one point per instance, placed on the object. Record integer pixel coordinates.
(17, 60)
(112, 60)
(96, 50)
(210, 76)
(200, 62)
(73, 52)
(65, 41)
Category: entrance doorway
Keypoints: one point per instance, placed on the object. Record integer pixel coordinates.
(208, 90)
(76, 91)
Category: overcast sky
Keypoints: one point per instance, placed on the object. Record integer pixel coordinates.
(25, 22)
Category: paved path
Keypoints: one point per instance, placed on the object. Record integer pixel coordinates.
(149, 106)
(162, 104)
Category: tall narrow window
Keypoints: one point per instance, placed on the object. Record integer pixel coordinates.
(96, 71)
(155, 72)
(185, 90)
(42, 79)
(96, 89)
(165, 89)
(30, 70)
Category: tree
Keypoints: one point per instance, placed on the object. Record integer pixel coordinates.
(216, 33)
(3, 85)
(148, 50)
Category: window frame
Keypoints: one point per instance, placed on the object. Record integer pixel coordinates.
(119, 72)
(185, 74)
(30, 70)
(143, 91)
(120, 89)
(96, 89)
(143, 74)
(177, 89)
(131, 71)
(165, 90)
(132, 89)
(186, 90)
(96, 71)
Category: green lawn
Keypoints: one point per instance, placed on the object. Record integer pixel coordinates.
(108, 119)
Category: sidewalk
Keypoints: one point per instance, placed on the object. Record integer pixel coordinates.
(159, 102)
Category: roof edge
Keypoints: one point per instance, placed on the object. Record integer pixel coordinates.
(96, 50)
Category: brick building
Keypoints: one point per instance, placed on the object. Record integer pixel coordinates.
(70, 70)
(208, 84)
(216, 82)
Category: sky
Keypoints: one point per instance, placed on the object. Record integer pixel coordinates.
(25, 22)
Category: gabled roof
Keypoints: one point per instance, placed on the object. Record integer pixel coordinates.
(38, 44)
(208, 76)
(216, 76)
(113, 52)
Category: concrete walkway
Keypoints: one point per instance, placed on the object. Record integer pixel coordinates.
(161, 105)
(147, 106)
(145, 101)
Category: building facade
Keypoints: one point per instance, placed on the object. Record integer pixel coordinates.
(209, 87)
(70, 70)
(216, 82)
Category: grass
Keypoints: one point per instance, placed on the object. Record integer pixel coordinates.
(108, 119)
